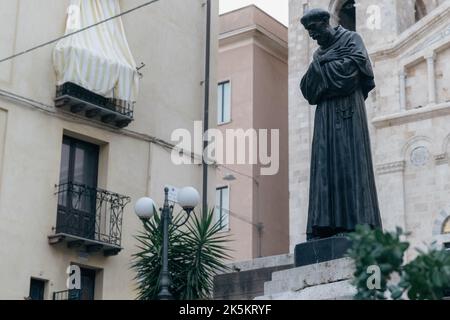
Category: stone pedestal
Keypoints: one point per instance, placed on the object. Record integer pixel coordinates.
(324, 281)
(246, 279)
(317, 271)
(318, 251)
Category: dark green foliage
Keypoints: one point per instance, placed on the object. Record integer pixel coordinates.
(425, 278)
(375, 248)
(196, 253)
(428, 276)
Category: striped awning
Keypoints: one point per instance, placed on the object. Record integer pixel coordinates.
(98, 59)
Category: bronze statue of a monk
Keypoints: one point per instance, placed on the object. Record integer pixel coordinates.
(342, 190)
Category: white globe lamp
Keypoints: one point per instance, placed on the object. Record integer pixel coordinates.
(188, 198)
(145, 208)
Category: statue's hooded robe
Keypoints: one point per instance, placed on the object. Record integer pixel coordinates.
(342, 190)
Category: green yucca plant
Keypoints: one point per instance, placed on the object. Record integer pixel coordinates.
(196, 253)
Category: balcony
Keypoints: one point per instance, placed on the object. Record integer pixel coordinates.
(89, 218)
(77, 100)
(67, 295)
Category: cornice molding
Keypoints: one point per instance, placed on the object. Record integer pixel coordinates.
(392, 167)
(400, 118)
(416, 32)
(266, 39)
(441, 159)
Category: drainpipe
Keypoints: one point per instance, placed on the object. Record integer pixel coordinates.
(206, 105)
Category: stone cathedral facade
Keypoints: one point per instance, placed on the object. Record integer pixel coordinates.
(409, 111)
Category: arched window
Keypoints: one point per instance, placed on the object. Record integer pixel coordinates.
(347, 15)
(446, 227)
(420, 10)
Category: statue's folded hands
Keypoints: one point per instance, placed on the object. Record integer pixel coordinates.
(334, 54)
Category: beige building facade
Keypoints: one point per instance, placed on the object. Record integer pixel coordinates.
(409, 112)
(253, 93)
(169, 37)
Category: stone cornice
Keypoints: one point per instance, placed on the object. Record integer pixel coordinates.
(441, 159)
(398, 166)
(78, 119)
(410, 37)
(264, 38)
(427, 112)
(430, 51)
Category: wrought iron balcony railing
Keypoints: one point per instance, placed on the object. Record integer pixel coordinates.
(74, 294)
(89, 216)
(76, 99)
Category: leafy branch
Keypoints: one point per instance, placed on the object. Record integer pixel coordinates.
(427, 277)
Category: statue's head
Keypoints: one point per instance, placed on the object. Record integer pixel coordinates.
(317, 23)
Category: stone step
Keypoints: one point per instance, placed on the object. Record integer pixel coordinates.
(297, 279)
(341, 290)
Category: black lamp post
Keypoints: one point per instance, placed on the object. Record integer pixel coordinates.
(188, 199)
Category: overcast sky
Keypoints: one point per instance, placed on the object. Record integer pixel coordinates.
(279, 9)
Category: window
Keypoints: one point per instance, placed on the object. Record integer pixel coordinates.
(78, 180)
(223, 207)
(224, 103)
(420, 10)
(37, 289)
(347, 15)
(79, 162)
(446, 227)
